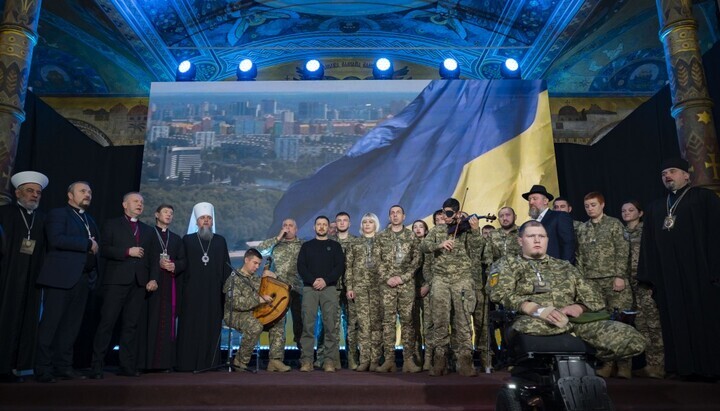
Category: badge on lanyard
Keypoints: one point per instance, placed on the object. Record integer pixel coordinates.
(27, 246)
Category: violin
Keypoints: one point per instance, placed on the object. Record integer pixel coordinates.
(457, 228)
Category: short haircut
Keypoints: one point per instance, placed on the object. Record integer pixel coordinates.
(127, 195)
(72, 186)
(562, 199)
(398, 206)
(252, 253)
(594, 194)
(372, 217)
(451, 203)
(161, 206)
(342, 213)
(322, 217)
(509, 208)
(529, 223)
(488, 226)
(635, 203)
(438, 212)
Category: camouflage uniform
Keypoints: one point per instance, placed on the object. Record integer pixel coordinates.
(647, 320)
(480, 313)
(241, 298)
(513, 281)
(362, 277)
(602, 255)
(452, 290)
(285, 256)
(398, 255)
(499, 244)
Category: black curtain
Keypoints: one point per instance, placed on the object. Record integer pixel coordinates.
(625, 163)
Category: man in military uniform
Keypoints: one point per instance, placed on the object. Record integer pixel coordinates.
(602, 258)
(343, 236)
(502, 242)
(242, 296)
(396, 250)
(284, 250)
(550, 295)
(452, 287)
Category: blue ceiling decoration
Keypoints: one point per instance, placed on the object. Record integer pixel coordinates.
(582, 47)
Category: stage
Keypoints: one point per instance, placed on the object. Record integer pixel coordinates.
(343, 390)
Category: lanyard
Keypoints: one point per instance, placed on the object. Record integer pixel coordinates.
(32, 221)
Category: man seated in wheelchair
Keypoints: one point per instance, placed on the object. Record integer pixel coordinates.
(551, 297)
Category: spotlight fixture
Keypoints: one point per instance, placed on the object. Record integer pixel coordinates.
(185, 71)
(247, 70)
(449, 69)
(383, 69)
(313, 70)
(510, 69)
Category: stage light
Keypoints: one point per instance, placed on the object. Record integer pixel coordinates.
(449, 69)
(313, 70)
(510, 69)
(383, 69)
(185, 71)
(247, 70)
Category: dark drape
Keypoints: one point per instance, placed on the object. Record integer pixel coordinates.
(625, 163)
(52, 145)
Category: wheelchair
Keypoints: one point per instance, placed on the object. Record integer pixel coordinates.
(550, 373)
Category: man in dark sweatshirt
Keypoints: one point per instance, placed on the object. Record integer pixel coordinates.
(321, 263)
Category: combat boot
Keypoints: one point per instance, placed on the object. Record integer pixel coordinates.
(277, 366)
(606, 370)
(650, 371)
(306, 366)
(329, 366)
(364, 366)
(387, 366)
(409, 364)
(374, 365)
(427, 360)
(352, 363)
(439, 366)
(624, 369)
(465, 366)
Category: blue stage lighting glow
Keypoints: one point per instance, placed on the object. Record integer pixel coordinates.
(449, 69)
(510, 69)
(246, 71)
(245, 65)
(185, 71)
(383, 69)
(313, 70)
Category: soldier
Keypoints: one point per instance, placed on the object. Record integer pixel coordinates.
(647, 320)
(487, 229)
(452, 286)
(502, 242)
(396, 250)
(343, 236)
(284, 250)
(241, 298)
(422, 317)
(438, 217)
(549, 295)
(362, 281)
(602, 258)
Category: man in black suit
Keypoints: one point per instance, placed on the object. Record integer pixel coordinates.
(559, 225)
(69, 272)
(125, 282)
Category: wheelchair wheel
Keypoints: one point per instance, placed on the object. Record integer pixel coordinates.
(507, 400)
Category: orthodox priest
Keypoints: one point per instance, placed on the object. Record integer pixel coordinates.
(158, 333)
(22, 256)
(201, 297)
(680, 258)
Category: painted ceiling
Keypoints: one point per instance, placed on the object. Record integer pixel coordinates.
(581, 47)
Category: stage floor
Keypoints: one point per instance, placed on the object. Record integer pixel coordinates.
(343, 390)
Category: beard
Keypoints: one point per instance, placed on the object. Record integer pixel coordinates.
(205, 233)
(534, 212)
(30, 206)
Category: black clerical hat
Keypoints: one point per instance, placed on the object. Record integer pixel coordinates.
(676, 162)
(538, 189)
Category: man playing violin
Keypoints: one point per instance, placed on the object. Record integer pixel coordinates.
(452, 286)
(241, 298)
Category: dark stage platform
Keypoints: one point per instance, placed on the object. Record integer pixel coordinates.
(343, 390)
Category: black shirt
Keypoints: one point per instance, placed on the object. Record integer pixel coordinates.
(321, 259)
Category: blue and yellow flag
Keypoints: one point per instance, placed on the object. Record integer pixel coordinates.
(493, 137)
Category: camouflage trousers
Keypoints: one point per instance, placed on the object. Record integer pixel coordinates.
(453, 305)
(622, 300)
(365, 312)
(422, 324)
(612, 340)
(250, 328)
(276, 333)
(480, 326)
(397, 302)
(647, 322)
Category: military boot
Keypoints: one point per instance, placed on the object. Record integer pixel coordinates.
(306, 366)
(465, 366)
(352, 362)
(650, 371)
(427, 361)
(606, 370)
(439, 366)
(409, 364)
(374, 365)
(277, 366)
(624, 369)
(387, 366)
(363, 366)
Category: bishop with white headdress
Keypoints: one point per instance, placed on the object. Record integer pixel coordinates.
(201, 310)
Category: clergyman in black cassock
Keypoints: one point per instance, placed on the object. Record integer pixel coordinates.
(157, 329)
(201, 297)
(22, 251)
(680, 258)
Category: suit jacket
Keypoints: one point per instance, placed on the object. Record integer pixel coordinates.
(68, 248)
(561, 235)
(117, 238)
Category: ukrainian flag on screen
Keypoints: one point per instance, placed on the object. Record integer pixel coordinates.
(493, 137)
